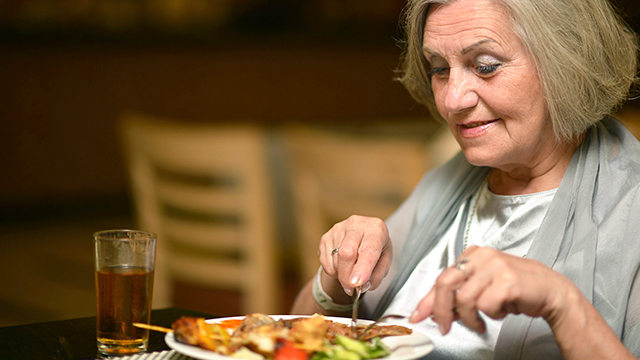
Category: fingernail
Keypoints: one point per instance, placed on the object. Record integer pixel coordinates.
(348, 291)
(355, 279)
(414, 316)
(442, 329)
(366, 286)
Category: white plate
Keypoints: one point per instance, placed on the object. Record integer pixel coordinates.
(404, 347)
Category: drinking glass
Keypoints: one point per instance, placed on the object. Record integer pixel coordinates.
(124, 266)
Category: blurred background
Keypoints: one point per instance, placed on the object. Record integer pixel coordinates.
(69, 69)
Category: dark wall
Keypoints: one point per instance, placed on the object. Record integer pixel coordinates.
(60, 102)
(630, 10)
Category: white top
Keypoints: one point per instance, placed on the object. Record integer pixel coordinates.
(506, 223)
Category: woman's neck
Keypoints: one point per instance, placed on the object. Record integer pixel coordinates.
(547, 174)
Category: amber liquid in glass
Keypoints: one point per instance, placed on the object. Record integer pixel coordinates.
(123, 296)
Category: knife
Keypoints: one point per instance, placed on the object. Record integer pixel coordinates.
(354, 311)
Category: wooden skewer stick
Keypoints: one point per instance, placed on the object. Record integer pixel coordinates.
(167, 330)
(153, 327)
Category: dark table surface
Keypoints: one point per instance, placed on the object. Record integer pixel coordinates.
(74, 339)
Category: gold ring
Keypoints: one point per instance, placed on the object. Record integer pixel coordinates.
(460, 264)
(334, 251)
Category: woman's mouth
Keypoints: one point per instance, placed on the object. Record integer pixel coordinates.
(473, 125)
(475, 129)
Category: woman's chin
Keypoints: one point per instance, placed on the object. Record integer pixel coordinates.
(480, 158)
(476, 157)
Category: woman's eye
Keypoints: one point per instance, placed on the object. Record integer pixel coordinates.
(487, 69)
(437, 71)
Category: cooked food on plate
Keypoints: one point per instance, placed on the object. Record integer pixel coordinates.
(260, 336)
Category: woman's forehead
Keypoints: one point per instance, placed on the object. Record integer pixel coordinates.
(463, 23)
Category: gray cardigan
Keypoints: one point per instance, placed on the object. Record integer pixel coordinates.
(591, 234)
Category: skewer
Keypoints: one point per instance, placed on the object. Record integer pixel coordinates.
(153, 327)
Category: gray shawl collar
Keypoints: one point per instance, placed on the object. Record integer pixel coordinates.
(568, 237)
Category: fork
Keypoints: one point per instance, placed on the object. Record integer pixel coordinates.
(379, 320)
(354, 312)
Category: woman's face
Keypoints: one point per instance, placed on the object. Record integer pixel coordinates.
(486, 85)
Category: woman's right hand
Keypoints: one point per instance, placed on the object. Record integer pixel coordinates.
(364, 252)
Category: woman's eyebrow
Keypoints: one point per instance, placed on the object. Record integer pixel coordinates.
(426, 50)
(475, 45)
(464, 51)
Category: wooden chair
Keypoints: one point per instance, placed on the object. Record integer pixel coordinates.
(335, 174)
(206, 191)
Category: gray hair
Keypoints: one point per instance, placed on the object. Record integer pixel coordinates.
(585, 54)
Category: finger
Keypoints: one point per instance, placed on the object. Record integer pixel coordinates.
(346, 257)
(502, 296)
(374, 248)
(503, 283)
(444, 302)
(498, 288)
(381, 269)
(479, 280)
(466, 299)
(330, 244)
(325, 248)
(424, 308)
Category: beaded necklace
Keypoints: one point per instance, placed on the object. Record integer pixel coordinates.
(474, 209)
(473, 213)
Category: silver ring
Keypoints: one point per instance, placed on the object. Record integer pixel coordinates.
(334, 251)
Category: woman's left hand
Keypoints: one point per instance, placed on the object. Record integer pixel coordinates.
(495, 283)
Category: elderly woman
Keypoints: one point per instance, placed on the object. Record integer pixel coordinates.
(527, 244)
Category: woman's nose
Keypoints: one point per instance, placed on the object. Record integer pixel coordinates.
(460, 94)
